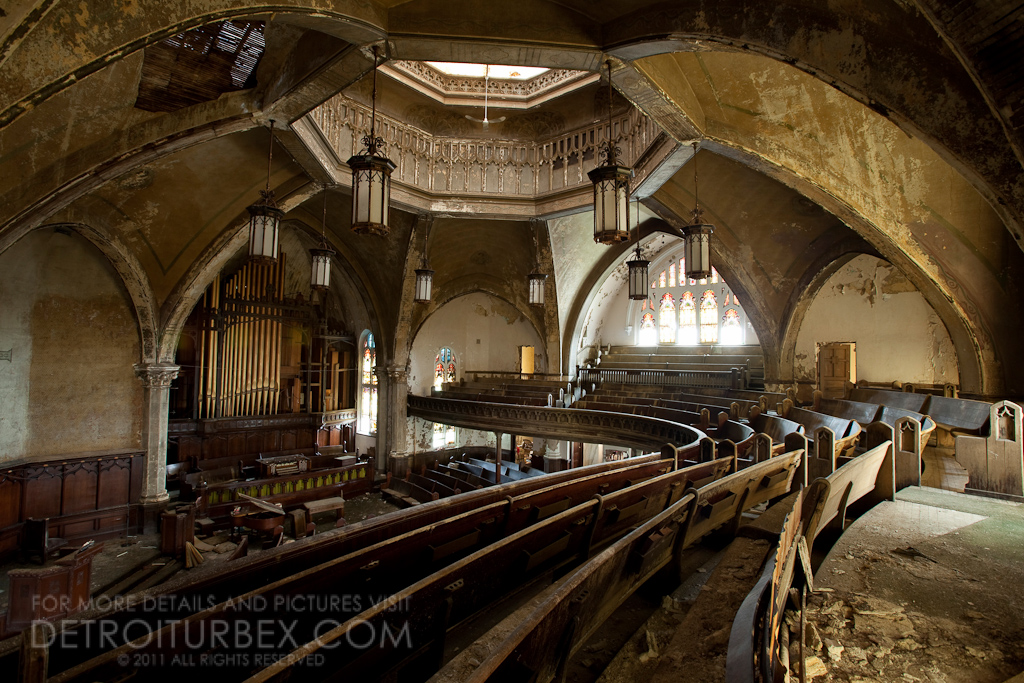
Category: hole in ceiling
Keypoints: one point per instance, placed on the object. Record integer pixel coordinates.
(200, 65)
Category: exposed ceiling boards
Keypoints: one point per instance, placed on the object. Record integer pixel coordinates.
(200, 65)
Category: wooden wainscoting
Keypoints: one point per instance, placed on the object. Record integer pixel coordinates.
(84, 495)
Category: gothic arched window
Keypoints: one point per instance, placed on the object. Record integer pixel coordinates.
(732, 330)
(667, 320)
(672, 275)
(444, 367)
(648, 334)
(661, 280)
(687, 319)
(708, 318)
(367, 423)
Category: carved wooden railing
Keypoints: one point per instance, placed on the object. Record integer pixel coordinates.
(554, 423)
(460, 166)
(709, 379)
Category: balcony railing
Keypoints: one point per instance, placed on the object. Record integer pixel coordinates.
(450, 166)
(704, 379)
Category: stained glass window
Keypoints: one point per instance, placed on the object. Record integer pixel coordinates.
(661, 280)
(732, 330)
(444, 367)
(672, 275)
(708, 318)
(714, 276)
(367, 423)
(438, 441)
(449, 436)
(667, 320)
(648, 333)
(687, 319)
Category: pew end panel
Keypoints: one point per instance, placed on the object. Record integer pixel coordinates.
(995, 463)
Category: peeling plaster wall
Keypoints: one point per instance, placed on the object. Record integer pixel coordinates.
(459, 324)
(898, 335)
(422, 433)
(70, 386)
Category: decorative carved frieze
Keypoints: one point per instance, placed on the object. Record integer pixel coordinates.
(470, 168)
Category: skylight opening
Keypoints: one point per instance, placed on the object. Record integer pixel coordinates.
(512, 73)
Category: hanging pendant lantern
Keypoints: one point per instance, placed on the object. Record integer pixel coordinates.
(536, 281)
(638, 287)
(611, 188)
(424, 275)
(320, 275)
(697, 236)
(424, 284)
(265, 218)
(371, 178)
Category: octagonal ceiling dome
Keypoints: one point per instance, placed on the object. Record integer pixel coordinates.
(506, 86)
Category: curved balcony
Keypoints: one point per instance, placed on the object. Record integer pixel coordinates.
(591, 426)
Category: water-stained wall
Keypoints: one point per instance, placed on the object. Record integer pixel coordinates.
(898, 335)
(69, 386)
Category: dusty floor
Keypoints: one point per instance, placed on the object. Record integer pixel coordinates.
(927, 588)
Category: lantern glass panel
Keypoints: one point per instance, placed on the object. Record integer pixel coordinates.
(320, 275)
(424, 285)
(537, 288)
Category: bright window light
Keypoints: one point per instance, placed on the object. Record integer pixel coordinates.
(515, 73)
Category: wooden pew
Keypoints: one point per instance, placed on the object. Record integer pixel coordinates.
(772, 431)
(870, 476)
(995, 463)
(538, 645)
(864, 413)
(885, 397)
(455, 484)
(831, 437)
(406, 493)
(446, 521)
(432, 485)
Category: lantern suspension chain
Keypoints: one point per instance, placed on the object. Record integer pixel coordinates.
(697, 213)
(373, 142)
(611, 151)
(267, 193)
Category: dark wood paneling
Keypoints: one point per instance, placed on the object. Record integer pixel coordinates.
(43, 489)
(84, 496)
(10, 500)
(114, 483)
(80, 484)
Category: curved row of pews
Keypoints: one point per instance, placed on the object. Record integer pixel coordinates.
(383, 597)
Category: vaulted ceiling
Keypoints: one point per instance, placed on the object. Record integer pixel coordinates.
(897, 125)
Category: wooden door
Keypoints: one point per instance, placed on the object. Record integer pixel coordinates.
(526, 360)
(837, 365)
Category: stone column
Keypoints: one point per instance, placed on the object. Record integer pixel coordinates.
(393, 388)
(398, 382)
(156, 382)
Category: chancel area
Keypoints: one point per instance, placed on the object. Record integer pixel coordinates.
(469, 323)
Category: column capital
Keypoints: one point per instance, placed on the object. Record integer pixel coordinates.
(156, 375)
(398, 373)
